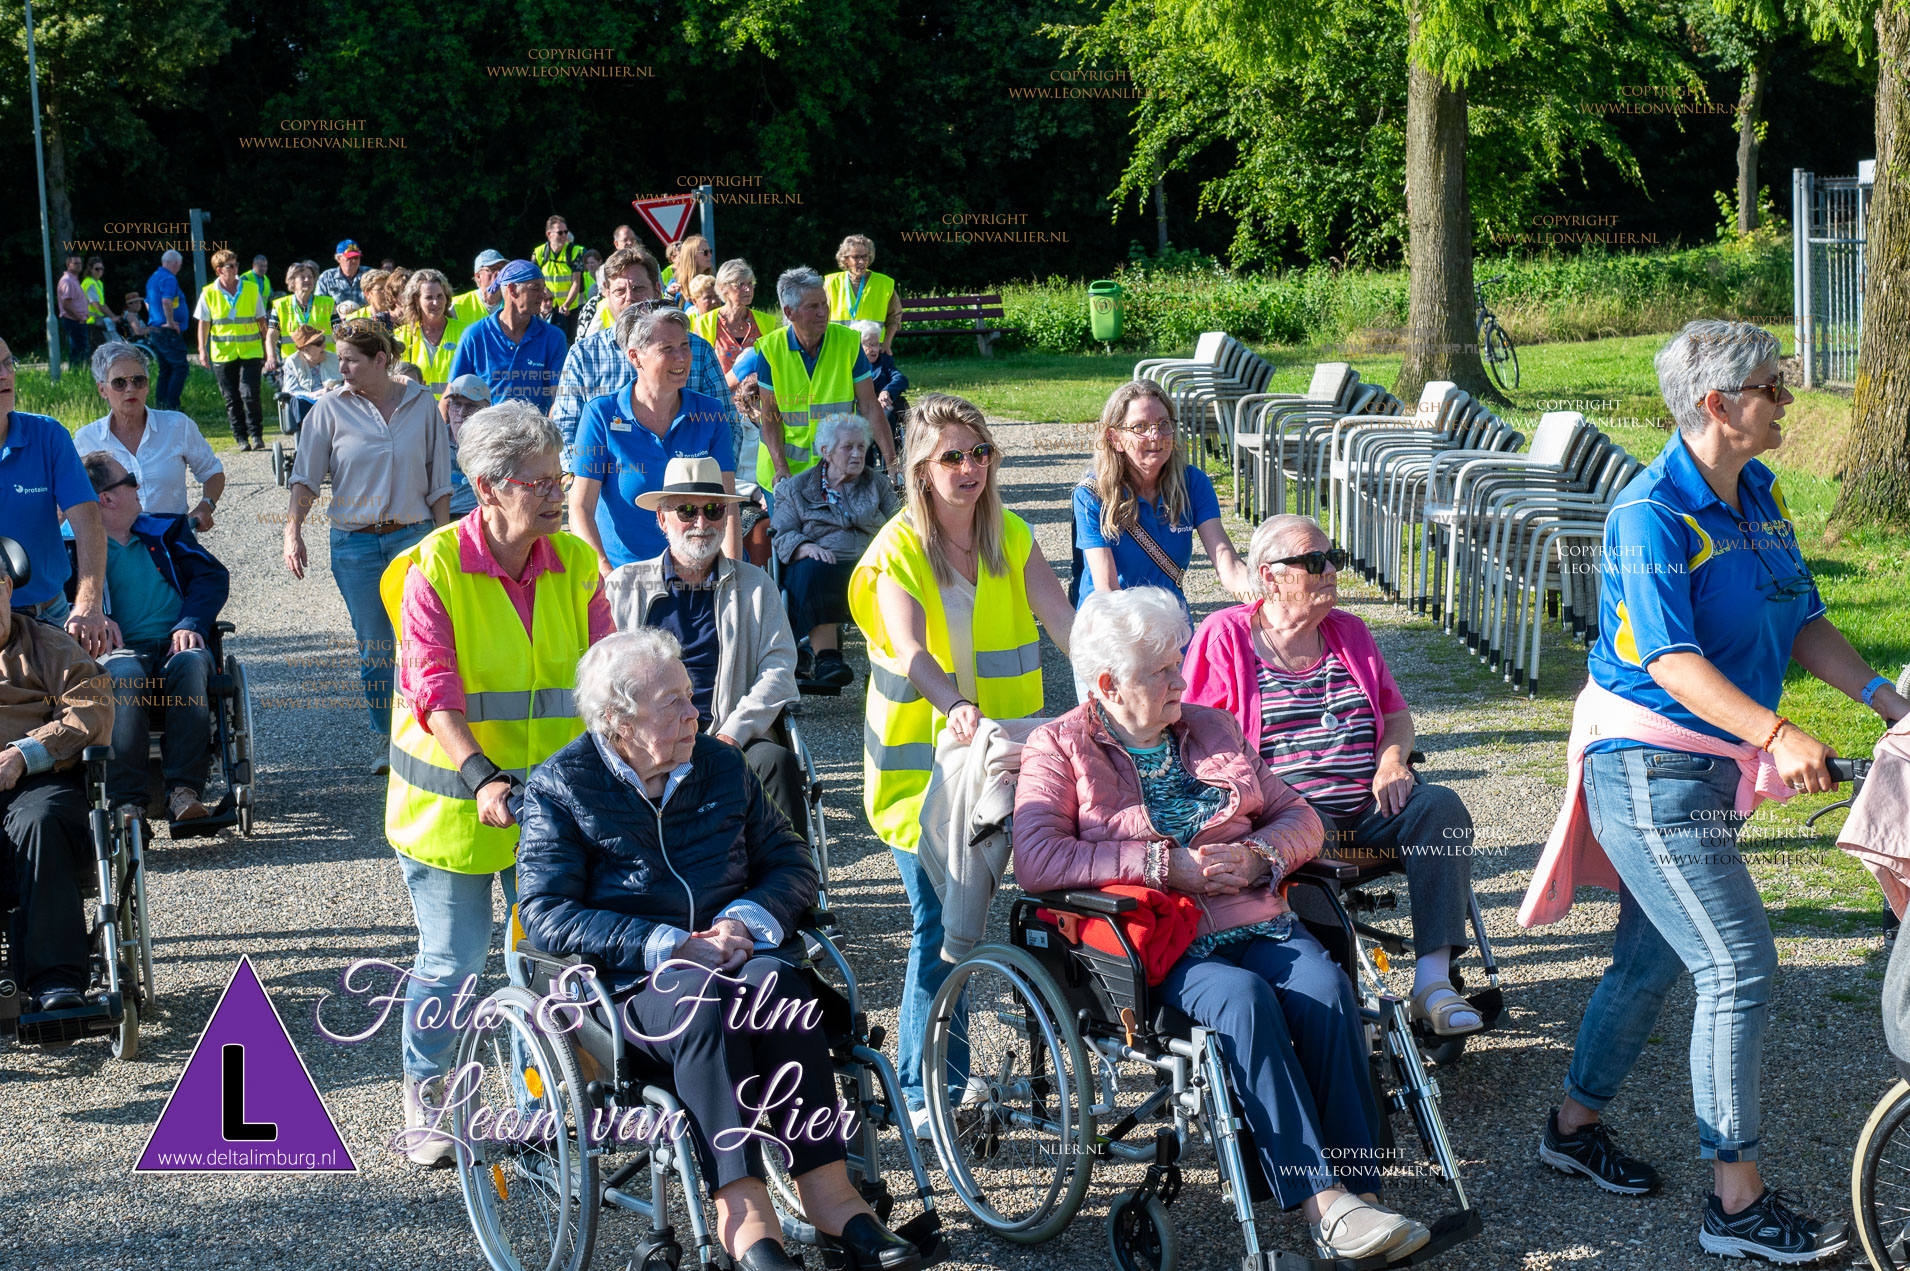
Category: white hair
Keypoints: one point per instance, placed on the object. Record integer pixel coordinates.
(637, 327)
(117, 351)
(618, 675)
(1277, 537)
(1121, 632)
(1708, 354)
(731, 272)
(495, 441)
(829, 430)
(866, 328)
(172, 258)
(794, 284)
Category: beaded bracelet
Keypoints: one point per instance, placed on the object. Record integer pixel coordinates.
(1775, 730)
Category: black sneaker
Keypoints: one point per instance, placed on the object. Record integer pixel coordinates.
(1770, 1229)
(832, 669)
(1592, 1153)
(805, 664)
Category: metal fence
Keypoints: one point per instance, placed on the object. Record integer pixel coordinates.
(1827, 273)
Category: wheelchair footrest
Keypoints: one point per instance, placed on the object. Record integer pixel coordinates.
(222, 817)
(817, 688)
(1447, 1230)
(59, 1028)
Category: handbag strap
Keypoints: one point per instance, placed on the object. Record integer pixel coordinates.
(1132, 524)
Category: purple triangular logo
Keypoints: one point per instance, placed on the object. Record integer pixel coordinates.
(246, 1101)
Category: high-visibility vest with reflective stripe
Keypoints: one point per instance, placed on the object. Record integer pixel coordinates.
(872, 304)
(518, 693)
(235, 322)
(704, 324)
(469, 306)
(802, 399)
(285, 309)
(559, 270)
(95, 290)
(436, 366)
(900, 726)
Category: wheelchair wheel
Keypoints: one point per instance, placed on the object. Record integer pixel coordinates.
(243, 775)
(126, 1040)
(1141, 1236)
(1015, 1134)
(531, 1193)
(1876, 1197)
(135, 934)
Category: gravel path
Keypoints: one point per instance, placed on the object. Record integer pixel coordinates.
(316, 887)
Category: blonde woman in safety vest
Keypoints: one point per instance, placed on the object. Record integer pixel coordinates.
(947, 594)
(232, 345)
(492, 613)
(429, 336)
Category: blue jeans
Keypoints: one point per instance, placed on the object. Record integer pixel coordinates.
(453, 912)
(1668, 823)
(169, 347)
(144, 676)
(1289, 1030)
(358, 562)
(79, 342)
(924, 979)
(57, 611)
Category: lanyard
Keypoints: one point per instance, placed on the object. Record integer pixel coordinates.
(855, 297)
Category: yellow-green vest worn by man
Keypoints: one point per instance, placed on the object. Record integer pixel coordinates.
(95, 290)
(849, 303)
(802, 399)
(560, 269)
(900, 726)
(518, 691)
(291, 318)
(235, 322)
(469, 306)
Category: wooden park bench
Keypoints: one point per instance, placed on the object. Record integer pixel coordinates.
(951, 309)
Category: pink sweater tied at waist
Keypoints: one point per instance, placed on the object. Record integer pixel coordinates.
(1572, 857)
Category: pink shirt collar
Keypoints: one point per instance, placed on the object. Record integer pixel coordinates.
(474, 553)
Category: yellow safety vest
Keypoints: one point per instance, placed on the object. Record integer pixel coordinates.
(469, 306)
(801, 399)
(436, 366)
(704, 324)
(285, 309)
(518, 693)
(235, 322)
(872, 303)
(900, 726)
(95, 290)
(258, 280)
(559, 271)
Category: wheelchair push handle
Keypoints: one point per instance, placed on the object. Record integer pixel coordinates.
(1843, 770)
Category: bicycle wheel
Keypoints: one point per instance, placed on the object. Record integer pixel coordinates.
(1880, 1182)
(1501, 358)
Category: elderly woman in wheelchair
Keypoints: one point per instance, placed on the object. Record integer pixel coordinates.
(648, 847)
(1134, 789)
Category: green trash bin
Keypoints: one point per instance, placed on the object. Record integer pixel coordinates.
(1104, 310)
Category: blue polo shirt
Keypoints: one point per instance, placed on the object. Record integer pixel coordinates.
(1683, 572)
(524, 370)
(40, 476)
(1133, 567)
(612, 447)
(162, 286)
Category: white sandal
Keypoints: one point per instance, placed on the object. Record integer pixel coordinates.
(1439, 1015)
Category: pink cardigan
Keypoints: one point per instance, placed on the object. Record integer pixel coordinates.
(1223, 670)
(1877, 831)
(1079, 820)
(1572, 857)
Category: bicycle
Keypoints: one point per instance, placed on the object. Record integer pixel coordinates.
(1493, 340)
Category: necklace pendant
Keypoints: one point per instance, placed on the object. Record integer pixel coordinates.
(1329, 720)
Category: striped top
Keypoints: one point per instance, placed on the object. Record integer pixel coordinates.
(1318, 734)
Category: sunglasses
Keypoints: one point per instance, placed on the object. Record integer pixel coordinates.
(545, 488)
(688, 512)
(1772, 389)
(1316, 562)
(128, 480)
(120, 383)
(981, 454)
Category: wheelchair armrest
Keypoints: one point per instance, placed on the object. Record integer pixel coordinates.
(592, 960)
(96, 754)
(1092, 901)
(223, 625)
(1322, 870)
(818, 917)
(1415, 759)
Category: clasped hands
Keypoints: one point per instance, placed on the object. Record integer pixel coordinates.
(725, 945)
(1214, 869)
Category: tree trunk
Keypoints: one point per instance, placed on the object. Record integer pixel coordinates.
(1876, 477)
(1160, 213)
(1750, 111)
(1442, 340)
(59, 206)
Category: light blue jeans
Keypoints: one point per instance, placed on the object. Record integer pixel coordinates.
(924, 978)
(1667, 821)
(453, 913)
(358, 562)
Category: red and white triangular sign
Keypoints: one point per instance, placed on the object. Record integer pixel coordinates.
(668, 216)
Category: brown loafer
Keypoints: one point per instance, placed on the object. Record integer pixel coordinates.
(183, 805)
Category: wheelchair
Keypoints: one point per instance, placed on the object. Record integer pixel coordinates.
(120, 975)
(538, 1205)
(1049, 1020)
(283, 456)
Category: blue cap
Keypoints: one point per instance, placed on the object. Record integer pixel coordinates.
(518, 271)
(346, 246)
(488, 257)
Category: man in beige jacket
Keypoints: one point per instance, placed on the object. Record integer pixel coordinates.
(728, 617)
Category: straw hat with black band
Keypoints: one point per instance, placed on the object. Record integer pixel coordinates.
(688, 479)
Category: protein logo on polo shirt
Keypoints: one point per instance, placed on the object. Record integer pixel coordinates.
(32, 489)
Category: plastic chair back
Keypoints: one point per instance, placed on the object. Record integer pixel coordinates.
(1331, 381)
(1552, 439)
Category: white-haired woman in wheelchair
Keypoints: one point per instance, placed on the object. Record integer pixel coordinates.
(1313, 695)
(1134, 788)
(646, 843)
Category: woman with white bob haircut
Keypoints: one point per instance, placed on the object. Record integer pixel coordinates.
(1133, 788)
(825, 518)
(160, 447)
(647, 843)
